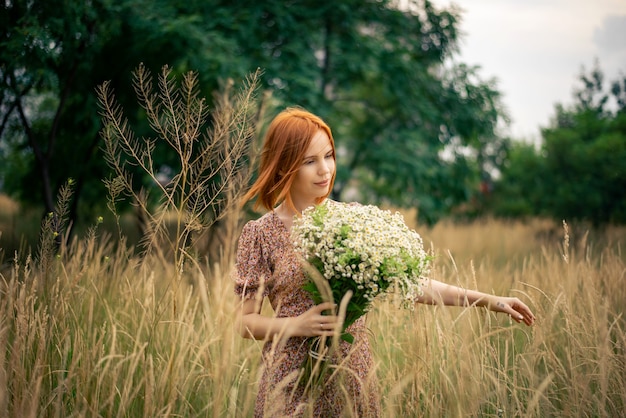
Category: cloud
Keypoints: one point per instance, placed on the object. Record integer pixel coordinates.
(609, 38)
(536, 48)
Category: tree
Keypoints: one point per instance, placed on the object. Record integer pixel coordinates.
(579, 172)
(53, 55)
(413, 128)
(376, 73)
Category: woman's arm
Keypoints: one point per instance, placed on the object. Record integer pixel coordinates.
(437, 292)
(310, 324)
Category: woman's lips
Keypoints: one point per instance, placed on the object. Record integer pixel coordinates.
(323, 183)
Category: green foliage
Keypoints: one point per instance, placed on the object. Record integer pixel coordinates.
(46, 53)
(374, 72)
(521, 189)
(53, 54)
(579, 172)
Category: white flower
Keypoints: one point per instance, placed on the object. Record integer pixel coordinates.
(370, 250)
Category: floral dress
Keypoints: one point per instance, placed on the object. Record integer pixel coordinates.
(267, 266)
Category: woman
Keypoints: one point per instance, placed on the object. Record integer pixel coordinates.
(297, 171)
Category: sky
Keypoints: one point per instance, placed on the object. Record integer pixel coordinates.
(536, 49)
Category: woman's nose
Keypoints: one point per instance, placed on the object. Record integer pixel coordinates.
(324, 167)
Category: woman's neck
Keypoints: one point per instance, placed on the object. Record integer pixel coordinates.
(298, 206)
(285, 212)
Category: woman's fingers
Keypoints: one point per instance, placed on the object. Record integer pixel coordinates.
(325, 306)
(516, 309)
(521, 312)
(322, 319)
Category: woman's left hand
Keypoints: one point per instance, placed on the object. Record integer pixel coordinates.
(515, 308)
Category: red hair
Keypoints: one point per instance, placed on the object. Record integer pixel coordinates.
(284, 147)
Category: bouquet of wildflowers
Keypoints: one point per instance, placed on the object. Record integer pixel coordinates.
(360, 249)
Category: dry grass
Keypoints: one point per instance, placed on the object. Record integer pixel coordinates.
(459, 362)
(89, 328)
(18, 228)
(8, 206)
(102, 339)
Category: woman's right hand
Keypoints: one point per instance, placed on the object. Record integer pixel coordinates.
(313, 323)
(320, 320)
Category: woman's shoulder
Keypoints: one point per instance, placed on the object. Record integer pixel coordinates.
(262, 220)
(265, 224)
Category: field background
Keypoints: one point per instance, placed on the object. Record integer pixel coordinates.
(95, 331)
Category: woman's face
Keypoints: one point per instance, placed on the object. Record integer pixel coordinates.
(312, 180)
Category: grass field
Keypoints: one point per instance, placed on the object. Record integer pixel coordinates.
(95, 331)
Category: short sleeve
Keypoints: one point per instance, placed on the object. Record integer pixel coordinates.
(253, 271)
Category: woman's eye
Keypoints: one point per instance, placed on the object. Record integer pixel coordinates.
(329, 155)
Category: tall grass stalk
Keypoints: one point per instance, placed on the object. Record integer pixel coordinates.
(91, 328)
(212, 160)
(104, 340)
(459, 362)
(103, 343)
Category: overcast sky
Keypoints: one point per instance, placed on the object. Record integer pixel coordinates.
(537, 48)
